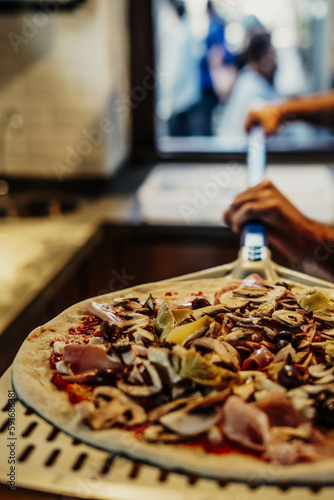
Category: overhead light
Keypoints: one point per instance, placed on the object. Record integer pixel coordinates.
(319, 9)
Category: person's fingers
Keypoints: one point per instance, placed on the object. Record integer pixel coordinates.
(260, 192)
(259, 210)
(268, 117)
(251, 120)
(227, 218)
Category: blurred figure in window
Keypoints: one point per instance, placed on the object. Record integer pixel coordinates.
(179, 89)
(254, 84)
(218, 72)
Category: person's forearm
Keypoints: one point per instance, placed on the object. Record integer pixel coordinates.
(319, 257)
(317, 108)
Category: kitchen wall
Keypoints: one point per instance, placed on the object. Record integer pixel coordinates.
(63, 84)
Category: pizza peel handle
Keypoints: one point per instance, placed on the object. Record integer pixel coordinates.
(254, 256)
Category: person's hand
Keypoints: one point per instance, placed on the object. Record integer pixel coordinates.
(270, 117)
(292, 233)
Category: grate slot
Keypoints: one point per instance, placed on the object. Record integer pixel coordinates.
(26, 453)
(315, 487)
(222, 483)
(135, 470)
(53, 434)
(52, 458)
(29, 411)
(163, 474)
(284, 485)
(253, 484)
(192, 479)
(76, 441)
(29, 429)
(107, 465)
(6, 407)
(79, 462)
(4, 425)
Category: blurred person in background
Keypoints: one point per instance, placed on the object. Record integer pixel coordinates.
(303, 241)
(217, 71)
(179, 87)
(255, 84)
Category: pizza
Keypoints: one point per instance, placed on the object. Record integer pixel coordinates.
(218, 377)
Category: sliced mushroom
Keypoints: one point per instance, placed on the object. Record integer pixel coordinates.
(158, 433)
(289, 304)
(265, 309)
(325, 317)
(245, 390)
(136, 376)
(143, 390)
(190, 423)
(130, 304)
(316, 389)
(303, 432)
(301, 401)
(330, 332)
(221, 352)
(260, 294)
(326, 379)
(209, 311)
(184, 388)
(231, 302)
(127, 351)
(289, 318)
(143, 336)
(242, 320)
(160, 357)
(320, 370)
(283, 354)
(269, 333)
(195, 335)
(134, 321)
(114, 407)
(238, 334)
(159, 411)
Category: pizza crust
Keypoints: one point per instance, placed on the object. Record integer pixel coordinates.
(32, 383)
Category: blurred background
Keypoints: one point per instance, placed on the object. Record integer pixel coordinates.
(220, 57)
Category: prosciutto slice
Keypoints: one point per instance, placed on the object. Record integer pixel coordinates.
(259, 359)
(245, 424)
(279, 410)
(86, 357)
(253, 280)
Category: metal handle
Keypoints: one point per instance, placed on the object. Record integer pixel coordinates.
(254, 239)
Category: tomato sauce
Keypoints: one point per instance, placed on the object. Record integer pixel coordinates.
(76, 392)
(87, 327)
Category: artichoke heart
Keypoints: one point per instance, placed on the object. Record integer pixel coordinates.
(329, 348)
(164, 322)
(181, 314)
(189, 364)
(314, 300)
(180, 333)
